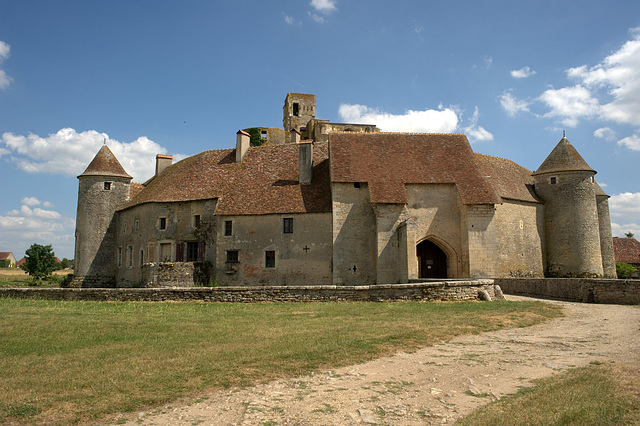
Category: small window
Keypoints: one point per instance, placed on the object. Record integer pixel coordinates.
(232, 256)
(593, 179)
(263, 134)
(107, 186)
(356, 185)
(130, 256)
(136, 226)
(553, 180)
(192, 252)
(296, 109)
(124, 228)
(119, 257)
(163, 223)
(228, 227)
(196, 220)
(269, 259)
(287, 225)
(141, 257)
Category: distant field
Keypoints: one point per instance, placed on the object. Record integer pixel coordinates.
(70, 362)
(11, 277)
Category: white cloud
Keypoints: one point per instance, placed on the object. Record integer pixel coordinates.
(289, 20)
(475, 132)
(625, 213)
(632, 142)
(319, 19)
(30, 201)
(48, 204)
(619, 229)
(523, 72)
(5, 80)
(4, 50)
(428, 121)
(323, 6)
(69, 152)
(605, 133)
(512, 105)
(570, 104)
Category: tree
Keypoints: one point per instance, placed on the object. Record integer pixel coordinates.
(40, 261)
(625, 270)
(628, 234)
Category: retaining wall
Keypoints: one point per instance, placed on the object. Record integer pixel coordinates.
(432, 291)
(590, 290)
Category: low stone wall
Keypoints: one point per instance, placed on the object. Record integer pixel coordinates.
(590, 290)
(433, 291)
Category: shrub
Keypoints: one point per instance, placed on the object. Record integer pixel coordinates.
(625, 270)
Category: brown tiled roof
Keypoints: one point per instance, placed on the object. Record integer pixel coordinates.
(509, 180)
(21, 261)
(626, 250)
(4, 255)
(599, 191)
(563, 158)
(388, 160)
(105, 164)
(265, 182)
(135, 189)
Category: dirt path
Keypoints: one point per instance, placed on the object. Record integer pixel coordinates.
(435, 385)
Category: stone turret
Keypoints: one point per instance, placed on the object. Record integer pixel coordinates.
(606, 236)
(102, 189)
(566, 184)
(298, 110)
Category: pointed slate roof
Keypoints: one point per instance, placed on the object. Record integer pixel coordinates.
(599, 191)
(563, 158)
(105, 164)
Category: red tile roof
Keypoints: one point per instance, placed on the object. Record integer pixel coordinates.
(509, 180)
(4, 255)
(563, 158)
(626, 250)
(389, 160)
(266, 182)
(105, 164)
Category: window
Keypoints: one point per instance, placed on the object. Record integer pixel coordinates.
(287, 225)
(163, 223)
(141, 257)
(130, 256)
(107, 186)
(263, 134)
(296, 109)
(269, 259)
(228, 227)
(124, 228)
(165, 252)
(356, 185)
(232, 256)
(553, 180)
(196, 220)
(119, 257)
(192, 252)
(136, 226)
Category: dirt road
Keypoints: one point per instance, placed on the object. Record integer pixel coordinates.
(435, 385)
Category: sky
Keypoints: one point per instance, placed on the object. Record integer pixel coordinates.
(181, 77)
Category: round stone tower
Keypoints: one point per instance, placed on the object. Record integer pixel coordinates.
(565, 183)
(103, 188)
(606, 237)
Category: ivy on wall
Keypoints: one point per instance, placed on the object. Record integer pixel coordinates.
(256, 137)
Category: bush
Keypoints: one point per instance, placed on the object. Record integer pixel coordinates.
(625, 270)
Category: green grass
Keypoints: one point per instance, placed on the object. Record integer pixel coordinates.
(17, 278)
(81, 361)
(594, 395)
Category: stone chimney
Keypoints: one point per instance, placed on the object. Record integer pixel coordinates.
(295, 136)
(306, 161)
(162, 162)
(242, 144)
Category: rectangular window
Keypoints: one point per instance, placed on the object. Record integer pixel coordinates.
(232, 256)
(141, 257)
(228, 227)
(192, 252)
(553, 180)
(136, 226)
(163, 223)
(119, 257)
(196, 220)
(130, 256)
(263, 134)
(269, 259)
(296, 109)
(287, 225)
(165, 252)
(107, 186)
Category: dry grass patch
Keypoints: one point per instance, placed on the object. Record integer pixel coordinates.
(81, 361)
(11, 277)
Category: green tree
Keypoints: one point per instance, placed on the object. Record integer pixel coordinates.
(628, 234)
(625, 270)
(40, 261)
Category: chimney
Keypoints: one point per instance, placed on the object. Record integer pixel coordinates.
(295, 136)
(242, 144)
(306, 161)
(162, 162)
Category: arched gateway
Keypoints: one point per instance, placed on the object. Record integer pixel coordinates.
(432, 261)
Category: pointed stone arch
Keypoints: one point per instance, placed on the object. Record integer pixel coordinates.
(436, 258)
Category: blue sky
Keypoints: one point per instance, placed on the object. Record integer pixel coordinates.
(182, 77)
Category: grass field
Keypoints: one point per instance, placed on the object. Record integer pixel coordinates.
(65, 362)
(10, 277)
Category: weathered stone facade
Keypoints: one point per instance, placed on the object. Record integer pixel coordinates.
(341, 204)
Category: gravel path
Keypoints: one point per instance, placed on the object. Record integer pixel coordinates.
(434, 385)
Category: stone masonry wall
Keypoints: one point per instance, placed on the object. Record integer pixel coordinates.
(591, 290)
(432, 291)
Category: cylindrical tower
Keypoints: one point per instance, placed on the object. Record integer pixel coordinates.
(565, 183)
(103, 188)
(606, 237)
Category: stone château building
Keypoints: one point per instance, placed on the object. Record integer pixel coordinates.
(333, 203)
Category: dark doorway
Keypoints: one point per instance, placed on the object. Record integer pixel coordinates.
(432, 262)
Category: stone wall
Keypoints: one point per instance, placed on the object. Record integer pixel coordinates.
(591, 290)
(432, 291)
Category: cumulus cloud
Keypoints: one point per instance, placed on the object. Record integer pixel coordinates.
(5, 80)
(290, 20)
(23, 226)
(323, 6)
(512, 105)
(625, 213)
(570, 104)
(475, 132)
(444, 120)
(632, 142)
(69, 152)
(523, 72)
(605, 133)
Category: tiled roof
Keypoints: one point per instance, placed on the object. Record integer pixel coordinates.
(266, 181)
(563, 158)
(386, 161)
(135, 189)
(599, 191)
(4, 255)
(105, 164)
(510, 180)
(626, 250)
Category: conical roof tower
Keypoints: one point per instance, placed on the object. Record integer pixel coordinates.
(105, 164)
(563, 158)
